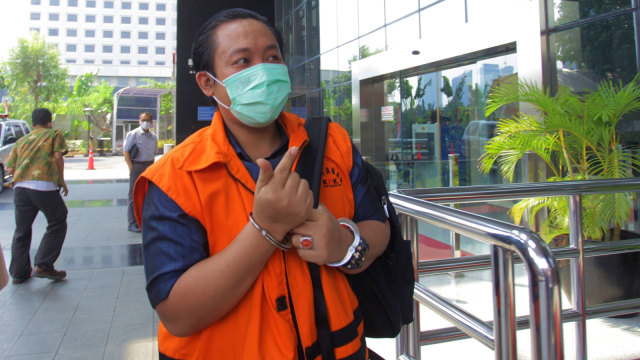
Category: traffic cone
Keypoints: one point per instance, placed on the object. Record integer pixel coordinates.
(90, 166)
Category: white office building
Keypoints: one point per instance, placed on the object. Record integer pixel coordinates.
(124, 41)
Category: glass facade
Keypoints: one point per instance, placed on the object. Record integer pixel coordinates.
(408, 121)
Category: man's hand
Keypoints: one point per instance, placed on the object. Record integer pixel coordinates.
(282, 199)
(330, 239)
(63, 189)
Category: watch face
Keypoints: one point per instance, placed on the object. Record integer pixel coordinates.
(357, 259)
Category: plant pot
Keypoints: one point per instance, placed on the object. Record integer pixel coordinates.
(607, 278)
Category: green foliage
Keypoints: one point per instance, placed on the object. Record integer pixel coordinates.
(33, 76)
(577, 140)
(166, 99)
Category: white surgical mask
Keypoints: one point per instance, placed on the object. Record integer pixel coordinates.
(145, 125)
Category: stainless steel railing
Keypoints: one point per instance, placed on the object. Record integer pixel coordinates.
(509, 243)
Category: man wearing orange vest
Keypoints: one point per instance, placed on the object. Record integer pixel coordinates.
(229, 230)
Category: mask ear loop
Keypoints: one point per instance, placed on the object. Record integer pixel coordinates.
(213, 96)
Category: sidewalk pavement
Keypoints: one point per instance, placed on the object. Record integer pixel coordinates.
(100, 311)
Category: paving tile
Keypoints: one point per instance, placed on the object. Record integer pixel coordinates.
(96, 353)
(83, 339)
(121, 335)
(130, 351)
(52, 323)
(36, 344)
(47, 356)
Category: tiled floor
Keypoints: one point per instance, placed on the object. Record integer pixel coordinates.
(101, 310)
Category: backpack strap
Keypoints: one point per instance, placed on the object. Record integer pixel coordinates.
(310, 168)
(317, 128)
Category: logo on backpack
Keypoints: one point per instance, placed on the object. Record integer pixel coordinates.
(331, 178)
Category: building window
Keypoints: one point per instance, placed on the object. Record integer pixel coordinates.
(54, 17)
(160, 63)
(72, 17)
(91, 3)
(125, 34)
(160, 51)
(71, 47)
(161, 21)
(89, 61)
(143, 20)
(107, 34)
(108, 19)
(126, 5)
(143, 35)
(108, 5)
(89, 33)
(125, 49)
(160, 36)
(70, 61)
(143, 62)
(107, 49)
(90, 18)
(125, 20)
(54, 2)
(35, 2)
(125, 62)
(53, 32)
(143, 6)
(72, 32)
(89, 48)
(34, 16)
(143, 50)
(107, 62)
(161, 7)
(72, 3)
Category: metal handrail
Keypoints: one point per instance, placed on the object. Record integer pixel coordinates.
(410, 204)
(544, 295)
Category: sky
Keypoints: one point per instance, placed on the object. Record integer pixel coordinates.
(13, 24)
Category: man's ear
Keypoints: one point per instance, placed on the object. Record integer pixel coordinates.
(205, 82)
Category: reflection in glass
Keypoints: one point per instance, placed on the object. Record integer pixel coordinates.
(370, 16)
(577, 53)
(347, 23)
(288, 41)
(437, 20)
(403, 33)
(565, 11)
(399, 8)
(329, 68)
(347, 54)
(329, 34)
(299, 35)
(313, 29)
(372, 44)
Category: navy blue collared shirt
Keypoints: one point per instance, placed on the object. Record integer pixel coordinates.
(174, 241)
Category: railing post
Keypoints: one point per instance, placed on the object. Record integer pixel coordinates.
(454, 180)
(577, 273)
(408, 341)
(504, 328)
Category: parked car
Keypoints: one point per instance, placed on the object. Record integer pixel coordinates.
(10, 131)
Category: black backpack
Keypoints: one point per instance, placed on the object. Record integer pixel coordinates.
(385, 289)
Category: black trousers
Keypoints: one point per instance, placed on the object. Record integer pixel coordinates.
(28, 203)
(137, 169)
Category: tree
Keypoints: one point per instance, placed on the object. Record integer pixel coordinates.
(33, 75)
(166, 99)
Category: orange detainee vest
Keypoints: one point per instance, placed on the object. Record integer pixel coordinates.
(205, 177)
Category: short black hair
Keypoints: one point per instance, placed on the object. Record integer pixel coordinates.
(41, 116)
(202, 48)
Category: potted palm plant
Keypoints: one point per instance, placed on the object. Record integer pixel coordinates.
(575, 136)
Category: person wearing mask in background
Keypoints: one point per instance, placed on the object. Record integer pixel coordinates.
(37, 164)
(139, 150)
(230, 235)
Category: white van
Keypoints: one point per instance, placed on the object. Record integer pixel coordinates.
(10, 131)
